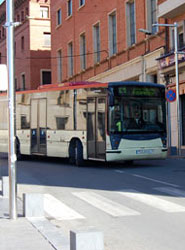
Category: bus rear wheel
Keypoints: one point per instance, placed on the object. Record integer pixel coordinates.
(18, 151)
(76, 153)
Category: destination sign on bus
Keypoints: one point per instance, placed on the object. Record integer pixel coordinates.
(137, 91)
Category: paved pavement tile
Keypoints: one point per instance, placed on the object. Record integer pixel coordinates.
(20, 234)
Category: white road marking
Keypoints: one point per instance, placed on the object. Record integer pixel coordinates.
(153, 201)
(172, 191)
(59, 210)
(119, 171)
(104, 204)
(162, 182)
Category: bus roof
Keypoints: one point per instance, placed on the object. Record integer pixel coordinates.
(86, 84)
(134, 83)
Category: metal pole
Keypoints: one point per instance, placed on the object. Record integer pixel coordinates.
(177, 88)
(176, 52)
(11, 110)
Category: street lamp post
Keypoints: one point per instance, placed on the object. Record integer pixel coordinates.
(176, 52)
(11, 110)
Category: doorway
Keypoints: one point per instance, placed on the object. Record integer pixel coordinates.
(38, 126)
(96, 142)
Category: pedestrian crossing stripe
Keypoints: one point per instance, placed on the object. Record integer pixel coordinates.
(57, 209)
(153, 201)
(110, 207)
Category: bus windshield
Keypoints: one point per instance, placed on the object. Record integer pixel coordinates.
(137, 114)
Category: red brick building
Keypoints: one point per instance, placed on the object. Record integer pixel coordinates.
(100, 40)
(32, 42)
(174, 11)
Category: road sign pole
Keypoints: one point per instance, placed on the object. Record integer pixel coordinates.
(177, 87)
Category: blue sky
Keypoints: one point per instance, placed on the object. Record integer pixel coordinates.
(1, 1)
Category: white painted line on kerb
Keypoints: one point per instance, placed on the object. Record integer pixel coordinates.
(59, 210)
(153, 201)
(150, 179)
(106, 205)
(172, 191)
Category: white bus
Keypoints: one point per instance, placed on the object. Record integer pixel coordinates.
(115, 121)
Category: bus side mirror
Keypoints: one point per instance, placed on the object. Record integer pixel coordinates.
(111, 100)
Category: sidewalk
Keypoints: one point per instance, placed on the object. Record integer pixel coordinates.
(19, 234)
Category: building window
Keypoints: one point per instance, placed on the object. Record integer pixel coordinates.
(59, 65)
(44, 12)
(181, 36)
(46, 77)
(3, 29)
(47, 39)
(18, 18)
(59, 17)
(152, 15)
(22, 16)
(15, 48)
(23, 82)
(96, 36)
(22, 43)
(69, 7)
(181, 40)
(70, 59)
(83, 51)
(27, 11)
(112, 34)
(15, 81)
(82, 2)
(131, 24)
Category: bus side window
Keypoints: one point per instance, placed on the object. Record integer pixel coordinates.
(24, 123)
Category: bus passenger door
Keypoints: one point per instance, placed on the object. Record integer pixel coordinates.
(96, 127)
(38, 126)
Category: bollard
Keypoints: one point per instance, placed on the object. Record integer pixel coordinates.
(33, 205)
(5, 186)
(86, 240)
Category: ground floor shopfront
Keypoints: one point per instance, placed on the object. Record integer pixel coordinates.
(167, 69)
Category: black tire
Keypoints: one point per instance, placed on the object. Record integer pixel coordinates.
(76, 153)
(18, 151)
(79, 161)
(72, 153)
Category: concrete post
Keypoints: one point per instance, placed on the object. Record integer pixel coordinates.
(33, 205)
(86, 240)
(5, 186)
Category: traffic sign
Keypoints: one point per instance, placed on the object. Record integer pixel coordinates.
(171, 95)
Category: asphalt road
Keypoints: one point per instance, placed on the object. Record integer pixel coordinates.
(136, 207)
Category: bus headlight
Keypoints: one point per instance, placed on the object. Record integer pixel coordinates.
(115, 141)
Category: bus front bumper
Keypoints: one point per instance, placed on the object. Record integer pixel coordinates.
(136, 154)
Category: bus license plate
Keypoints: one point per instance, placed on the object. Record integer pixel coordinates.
(144, 151)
